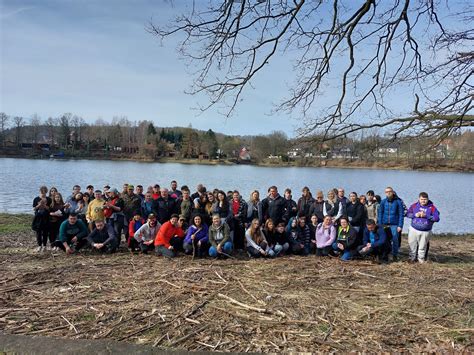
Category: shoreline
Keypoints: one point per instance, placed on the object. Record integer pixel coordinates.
(331, 164)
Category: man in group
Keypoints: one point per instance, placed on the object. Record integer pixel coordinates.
(102, 238)
(291, 209)
(72, 234)
(72, 198)
(131, 206)
(200, 189)
(165, 206)
(185, 205)
(305, 202)
(90, 191)
(374, 242)
(341, 197)
(169, 239)
(390, 216)
(372, 206)
(95, 209)
(423, 215)
(174, 192)
(156, 192)
(114, 215)
(273, 206)
(146, 234)
(139, 192)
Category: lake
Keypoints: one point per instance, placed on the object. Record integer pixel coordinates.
(451, 192)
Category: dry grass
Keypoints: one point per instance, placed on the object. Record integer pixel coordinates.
(287, 304)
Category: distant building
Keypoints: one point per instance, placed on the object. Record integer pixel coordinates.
(244, 154)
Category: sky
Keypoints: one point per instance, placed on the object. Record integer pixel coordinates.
(96, 60)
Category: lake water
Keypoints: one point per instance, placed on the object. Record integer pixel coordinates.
(452, 193)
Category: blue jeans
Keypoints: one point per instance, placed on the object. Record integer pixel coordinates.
(226, 248)
(395, 240)
(346, 255)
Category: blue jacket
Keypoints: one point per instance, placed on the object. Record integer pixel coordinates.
(391, 212)
(423, 223)
(380, 237)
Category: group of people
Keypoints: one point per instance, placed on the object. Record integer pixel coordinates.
(215, 223)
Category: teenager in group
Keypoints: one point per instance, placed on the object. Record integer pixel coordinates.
(299, 236)
(174, 192)
(423, 215)
(219, 238)
(274, 239)
(274, 206)
(355, 212)
(341, 196)
(239, 213)
(139, 192)
(291, 209)
(317, 207)
(146, 234)
(72, 234)
(196, 241)
(169, 240)
(257, 245)
(156, 192)
(254, 208)
(305, 202)
(333, 207)
(209, 208)
(325, 236)
(90, 191)
(95, 210)
(185, 204)
(56, 217)
(102, 238)
(345, 244)
(390, 216)
(313, 224)
(374, 242)
(41, 207)
(114, 213)
(71, 199)
(132, 205)
(52, 191)
(222, 207)
(135, 223)
(147, 205)
(372, 206)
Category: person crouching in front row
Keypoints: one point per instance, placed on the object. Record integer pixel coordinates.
(375, 242)
(219, 238)
(196, 242)
(145, 235)
(257, 245)
(169, 239)
(72, 234)
(102, 238)
(345, 244)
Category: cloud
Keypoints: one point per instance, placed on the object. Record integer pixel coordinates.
(14, 12)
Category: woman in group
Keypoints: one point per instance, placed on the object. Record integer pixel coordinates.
(200, 203)
(222, 207)
(52, 192)
(313, 224)
(219, 238)
(207, 217)
(333, 207)
(40, 225)
(147, 205)
(82, 204)
(56, 217)
(114, 213)
(257, 245)
(254, 208)
(325, 236)
(274, 239)
(196, 241)
(299, 235)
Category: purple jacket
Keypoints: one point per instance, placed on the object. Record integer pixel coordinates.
(423, 223)
(202, 235)
(325, 237)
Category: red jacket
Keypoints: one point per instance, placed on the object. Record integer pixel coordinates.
(166, 232)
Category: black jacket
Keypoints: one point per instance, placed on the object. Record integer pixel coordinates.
(317, 209)
(304, 206)
(165, 208)
(356, 213)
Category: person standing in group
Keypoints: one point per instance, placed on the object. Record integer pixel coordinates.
(95, 210)
(317, 207)
(114, 213)
(333, 207)
(239, 213)
(165, 206)
(56, 217)
(254, 208)
(90, 191)
(390, 216)
(372, 206)
(341, 196)
(185, 205)
(305, 202)
(147, 205)
(174, 192)
(131, 206)
(355, 212)
(423, 215)
(222, 207)
(274, 206)
(291, 209)
(139, 192)
(156, 192)
(41, 207)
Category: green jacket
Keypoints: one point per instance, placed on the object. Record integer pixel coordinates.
(68, 231)
(219, 235)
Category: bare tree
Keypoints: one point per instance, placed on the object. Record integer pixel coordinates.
(367, 51)
(19, 123)
(4, 118)
(35, 123)
(51, 126)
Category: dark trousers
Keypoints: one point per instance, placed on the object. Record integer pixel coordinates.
(146, 248)
(119, 227)
(42, 236)
(323, 251)
(297, 249)
(74, 246)
(254, 253)
(380, 252)
(53, 231)
(176, 243)
(200, 251)
(239, 235)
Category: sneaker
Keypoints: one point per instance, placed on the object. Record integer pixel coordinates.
(421, 261)
(46, 248)
(39, 249)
